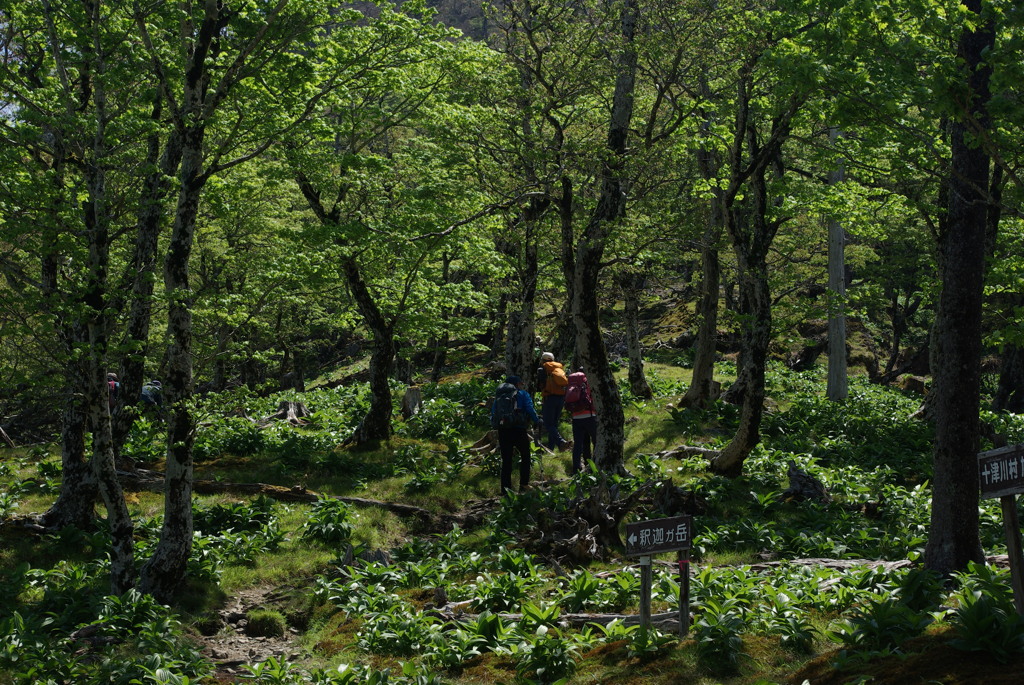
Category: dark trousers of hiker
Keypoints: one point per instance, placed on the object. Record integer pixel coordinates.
(551, 410)
(510, 440)
(584, 435)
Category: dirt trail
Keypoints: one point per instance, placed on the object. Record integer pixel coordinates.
(230, 649)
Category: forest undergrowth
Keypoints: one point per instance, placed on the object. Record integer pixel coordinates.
(782, 591)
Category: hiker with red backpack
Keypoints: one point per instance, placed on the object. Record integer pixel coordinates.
(580, 405)
(113, 389)
(552, 383)
(512, 413)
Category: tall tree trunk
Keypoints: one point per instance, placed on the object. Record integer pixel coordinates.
(164, 573)
(99, 324)
(953, 538)
(838, 385)
(564, 346)
(751, 232)
(632, 284)
(440, 343)
(519, 341)
(520, 358)
(497, 334)
(701, 391)
(75, 505)
(376, 425)
(751, 243)
(1010, 392)
(148, 224)
(611, 208)
(756, 315)
(440, 356)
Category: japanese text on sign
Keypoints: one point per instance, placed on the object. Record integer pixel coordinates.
(658, 535)
(1001, 471)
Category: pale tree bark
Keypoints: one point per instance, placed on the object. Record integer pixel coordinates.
(838, 385)
(520, 358)
(610, 209)
(156, 186)
(632, 285)
(91, 316)
(164, 573)
(99, 325)
(953, 538)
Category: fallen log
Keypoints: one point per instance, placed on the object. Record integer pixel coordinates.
(393, 507)
(143, 480)
(688, 451)
(455, 611)
(153, 481)
(834, 564)
(6, 438)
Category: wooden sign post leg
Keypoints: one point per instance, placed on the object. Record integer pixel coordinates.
(684, 593)
(1013, 549)
(645, 594)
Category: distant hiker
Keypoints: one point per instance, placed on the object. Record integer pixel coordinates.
(153, 397)
(512, 414)
(113, 389)
(580, 405)
(552, 381)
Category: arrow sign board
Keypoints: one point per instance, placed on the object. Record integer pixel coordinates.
(1001, 471)
(658, 535)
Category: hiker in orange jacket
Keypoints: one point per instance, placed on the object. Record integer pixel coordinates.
(552, 392)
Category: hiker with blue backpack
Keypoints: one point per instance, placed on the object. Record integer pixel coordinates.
(152, 398)
(512, 414)
(580, 405)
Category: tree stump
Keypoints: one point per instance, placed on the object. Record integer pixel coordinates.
(294, 413)
(412, 402)
(804, 486)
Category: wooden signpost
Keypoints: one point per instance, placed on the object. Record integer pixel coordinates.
(1001, 474)
(645, 538)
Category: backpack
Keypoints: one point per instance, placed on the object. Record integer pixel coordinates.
(506, 412)
(556, 381)
(577, 393)
(541, 380)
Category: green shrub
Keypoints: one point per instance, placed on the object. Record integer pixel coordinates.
(984, 625)
(265, 623)
(546, 656)
(328, 523)
(880, 625)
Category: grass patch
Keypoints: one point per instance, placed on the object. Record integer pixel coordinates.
(265, 623)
